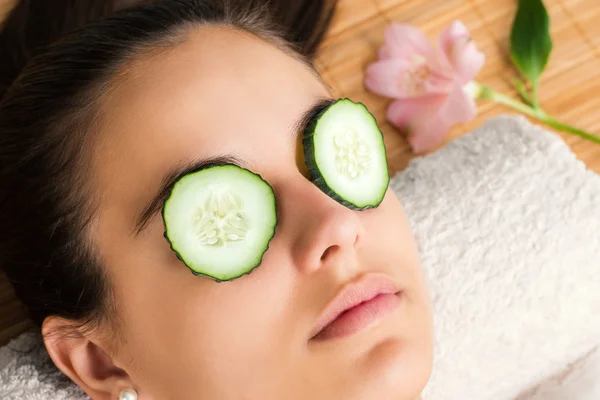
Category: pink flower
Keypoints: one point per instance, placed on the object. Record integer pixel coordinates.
(432, 87)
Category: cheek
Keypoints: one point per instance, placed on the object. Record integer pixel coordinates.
(388, 230)
(391, 241)
(194, 324)
(390, 227)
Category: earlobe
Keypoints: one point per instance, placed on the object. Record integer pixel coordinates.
(128, 394)
(83, 360)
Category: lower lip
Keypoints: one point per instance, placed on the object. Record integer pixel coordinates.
(360, 317)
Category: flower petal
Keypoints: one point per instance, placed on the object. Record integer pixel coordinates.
(459, 106)
(404, 41)
(461, 51)
(408, 112)
(468, 61)
(385, 77)
(456, 31)
(400, 79)
(420, 117)
(437, 84)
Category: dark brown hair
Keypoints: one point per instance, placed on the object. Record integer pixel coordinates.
(57, 60)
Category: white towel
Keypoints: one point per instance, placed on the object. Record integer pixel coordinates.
(508, 223)
(580, 381)
(26, 373)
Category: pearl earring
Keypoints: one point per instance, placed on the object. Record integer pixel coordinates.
(128, 394)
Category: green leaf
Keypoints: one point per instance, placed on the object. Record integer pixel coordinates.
(530, 39)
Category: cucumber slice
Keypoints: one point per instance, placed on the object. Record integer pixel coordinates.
(220, 220)
(345, 155)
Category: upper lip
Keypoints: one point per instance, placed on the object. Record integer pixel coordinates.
(352, 294)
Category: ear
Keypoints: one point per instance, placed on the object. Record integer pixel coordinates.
(81, 359)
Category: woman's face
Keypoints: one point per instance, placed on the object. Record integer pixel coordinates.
(226, 93)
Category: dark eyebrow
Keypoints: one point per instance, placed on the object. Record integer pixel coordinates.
(166, 185)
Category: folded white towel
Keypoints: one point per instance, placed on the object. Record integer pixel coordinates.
(508, 223)
(509, 227)
(581, 381)
(26, 373)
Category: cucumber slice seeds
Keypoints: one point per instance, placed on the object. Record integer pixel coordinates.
(220, 220)
(346, 156)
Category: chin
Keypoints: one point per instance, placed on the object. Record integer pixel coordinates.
(395, 370)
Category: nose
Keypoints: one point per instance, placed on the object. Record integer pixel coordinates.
(323, 232)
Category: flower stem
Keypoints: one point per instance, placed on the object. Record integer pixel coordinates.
(523, 91)
(488, 93)
(534, 96)
(570, 129)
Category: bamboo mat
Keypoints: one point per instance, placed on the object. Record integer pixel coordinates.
(570, 87)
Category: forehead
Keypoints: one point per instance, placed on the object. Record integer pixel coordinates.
(216, 78)
(219, 91)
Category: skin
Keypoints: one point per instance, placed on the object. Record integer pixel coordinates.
(185, 337)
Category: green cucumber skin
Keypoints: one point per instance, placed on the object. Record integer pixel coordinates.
(218, 280)
(311, 163)
(178, 255)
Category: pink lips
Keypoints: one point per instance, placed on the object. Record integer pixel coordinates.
(357, 306)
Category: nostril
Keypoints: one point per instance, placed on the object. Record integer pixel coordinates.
(329, 252)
